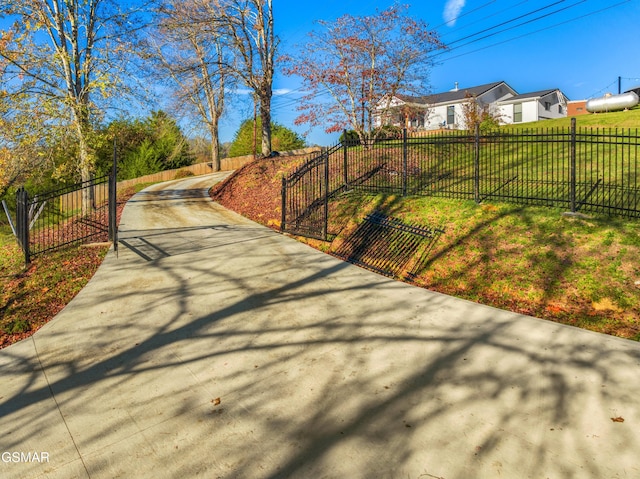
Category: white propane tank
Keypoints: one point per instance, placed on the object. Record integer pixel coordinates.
(613, 102)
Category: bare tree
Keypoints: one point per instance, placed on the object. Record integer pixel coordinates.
(188, 51)
(362, 63)
(248, 28)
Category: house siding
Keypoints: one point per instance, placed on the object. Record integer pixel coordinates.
(533, 109)
(553, 112)
(502, 92)
(436, 117)
(500, 98)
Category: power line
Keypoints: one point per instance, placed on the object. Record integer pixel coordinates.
(510, 21)
(540, 30)
(454, 30)
(597, 93)
(546, 15)
(293, 101)
(467, 13)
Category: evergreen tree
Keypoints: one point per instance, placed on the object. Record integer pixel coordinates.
(282, 139)
(144, 146)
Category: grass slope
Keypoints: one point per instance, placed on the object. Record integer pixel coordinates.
(530, 260)
(617, 119)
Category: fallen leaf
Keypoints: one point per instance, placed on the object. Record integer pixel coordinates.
(617, 419)
(606, 304)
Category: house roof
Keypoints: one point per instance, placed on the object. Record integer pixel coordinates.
(451, 96)
(532, 96)
(636, 90)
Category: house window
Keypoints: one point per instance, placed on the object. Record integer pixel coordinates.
(517, 113)
(547, 106)
(560, 109)
(451, 115)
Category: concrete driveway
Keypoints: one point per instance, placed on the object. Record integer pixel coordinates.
(213, 347)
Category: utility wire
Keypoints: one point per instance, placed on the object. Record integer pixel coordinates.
(293, 101)
(464, 27)
(546, 15)
(467, 13)
(540, 30)
(510, 21)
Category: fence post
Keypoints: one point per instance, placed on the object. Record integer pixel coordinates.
(22, 222)
(404, 162)
(325, 226)
(345, 147)
(284, 204)
(113, 201)
(476, 163)
(572, 159)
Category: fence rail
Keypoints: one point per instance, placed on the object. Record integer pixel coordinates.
(582, 170)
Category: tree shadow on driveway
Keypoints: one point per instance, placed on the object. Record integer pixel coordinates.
(260, 357)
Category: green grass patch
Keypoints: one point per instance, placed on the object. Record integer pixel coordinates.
(616, 119)
(533, 260)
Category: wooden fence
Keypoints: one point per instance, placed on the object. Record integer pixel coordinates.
(226, 164)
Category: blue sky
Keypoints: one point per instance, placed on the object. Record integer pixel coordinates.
(579, 46)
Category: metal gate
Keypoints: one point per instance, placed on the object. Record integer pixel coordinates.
(80, 213)
(305, 198)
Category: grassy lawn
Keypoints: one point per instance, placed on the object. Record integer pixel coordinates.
(617, 119)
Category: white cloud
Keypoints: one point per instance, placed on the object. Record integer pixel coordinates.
(282, 91)
(242, 91)
(451, 11)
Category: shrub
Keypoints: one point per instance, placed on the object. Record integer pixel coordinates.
(350, 136)
(388, 132)
(183, 174)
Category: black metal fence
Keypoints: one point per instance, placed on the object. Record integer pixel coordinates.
(305, 196)
(81, 213)
(582, 170)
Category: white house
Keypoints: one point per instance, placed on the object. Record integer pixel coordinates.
(442, 110)
(540, 105)
(445, 110)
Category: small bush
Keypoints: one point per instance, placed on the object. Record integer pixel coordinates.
(350, 136)
(388, 132)
(183, 174)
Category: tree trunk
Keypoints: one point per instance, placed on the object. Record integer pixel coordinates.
(215, 148)
(265, 117)
(86, 175)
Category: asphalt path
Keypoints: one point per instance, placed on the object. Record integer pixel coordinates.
(213, 347)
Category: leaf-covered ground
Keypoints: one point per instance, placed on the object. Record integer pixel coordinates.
(531, 260)
(32, 296)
